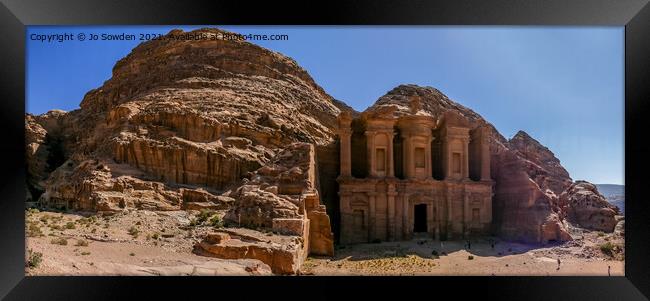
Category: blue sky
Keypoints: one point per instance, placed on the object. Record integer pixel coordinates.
(562, 85)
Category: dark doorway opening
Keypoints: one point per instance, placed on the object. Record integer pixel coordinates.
(420, 218)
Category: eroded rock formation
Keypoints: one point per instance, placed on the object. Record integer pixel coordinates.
(178, 126)
(585, 206)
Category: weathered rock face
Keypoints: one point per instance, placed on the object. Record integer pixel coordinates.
(541, 164)
(44, 151)
(196, 112)
(283, 196)
(585, 206)
(92, 185)
(284, 254)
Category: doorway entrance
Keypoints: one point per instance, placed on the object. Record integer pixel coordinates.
(420, 218)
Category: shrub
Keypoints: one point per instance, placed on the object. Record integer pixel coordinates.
(155, 236)
(215, 221)
(470, 257)
(133, 231)
(70, 225)
(34, 231)
(34, 259)
(85, 253)
(204, 215)
(131, 254)
(59, 241)
(81, 243)
(608, 248)
(601, 234)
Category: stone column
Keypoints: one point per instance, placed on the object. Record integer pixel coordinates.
(430, 218)
(372, 216)
(346, 222)
(389, 153)
(406, 158)
(446, 161)
(405, 216)
(370, 142)
(391, 212)
(485, 155)
(438, 215)
(465, 158)
(449, 214)
(346, 152)
(466, 220)
(428, 163)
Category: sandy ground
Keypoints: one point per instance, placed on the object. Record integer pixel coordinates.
(581, 257)
(162, 244)
(105, 246)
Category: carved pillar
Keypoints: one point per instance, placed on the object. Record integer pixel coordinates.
(346, 221)
(398, 216)
(446, 161)
(430, 217)
(438, 217)
(449, 214)
(485, 155)
(406, 158)
(465, 158)
(466, 220)
(391, 212)
(405, 217)
(389, 153)
(428, 163)
(345, 133)
(372, 216)
(346, 152)
(370, 142)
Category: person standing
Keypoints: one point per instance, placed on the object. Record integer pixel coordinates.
(558, 263)
(609, 270)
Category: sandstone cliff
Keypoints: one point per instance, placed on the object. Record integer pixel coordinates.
(202, 113)
(179, 124)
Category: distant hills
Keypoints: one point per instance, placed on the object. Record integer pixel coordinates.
(615, 194)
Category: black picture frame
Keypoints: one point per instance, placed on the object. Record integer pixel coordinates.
(15, 15)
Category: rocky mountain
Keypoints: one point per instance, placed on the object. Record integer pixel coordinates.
(201, 113)
(178, 124)
(230, 126)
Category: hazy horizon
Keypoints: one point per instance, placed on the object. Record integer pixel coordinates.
(562, 85)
